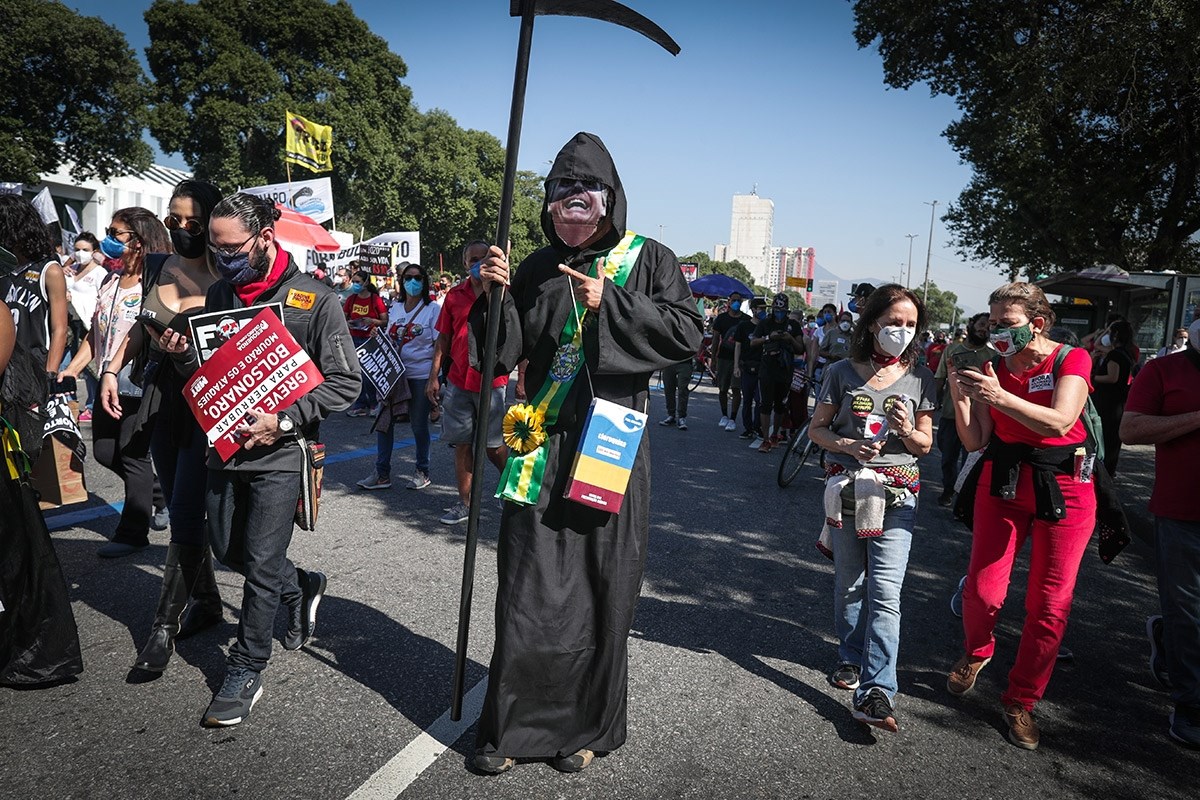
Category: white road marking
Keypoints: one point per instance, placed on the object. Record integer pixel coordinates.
(390, 780)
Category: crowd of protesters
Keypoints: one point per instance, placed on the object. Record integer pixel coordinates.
(1028, 428)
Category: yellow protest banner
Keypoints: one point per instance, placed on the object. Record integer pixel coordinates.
(308, 144)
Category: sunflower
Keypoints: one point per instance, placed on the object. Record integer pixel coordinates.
(524, 428)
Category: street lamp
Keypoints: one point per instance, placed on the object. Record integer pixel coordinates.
(929, 253)
(908, 280)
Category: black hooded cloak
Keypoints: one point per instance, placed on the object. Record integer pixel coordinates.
(570, 575)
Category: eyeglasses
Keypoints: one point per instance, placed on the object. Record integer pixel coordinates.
(114, 233)
(192, 226)
(233, 250)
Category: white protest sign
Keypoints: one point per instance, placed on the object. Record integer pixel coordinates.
(312, 198)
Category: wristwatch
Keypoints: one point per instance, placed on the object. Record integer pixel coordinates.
(286, 425)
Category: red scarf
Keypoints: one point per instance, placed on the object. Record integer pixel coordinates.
(884, 361)
(249, 292)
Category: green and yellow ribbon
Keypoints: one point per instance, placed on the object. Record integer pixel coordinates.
(522, 478)
(16, 463)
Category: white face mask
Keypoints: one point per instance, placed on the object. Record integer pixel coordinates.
(83, 257)
(845, 326)
(1106, 341)
(894, 339)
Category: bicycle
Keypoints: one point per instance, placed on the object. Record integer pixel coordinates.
(799, 449)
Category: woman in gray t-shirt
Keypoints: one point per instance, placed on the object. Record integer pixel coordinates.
(874, 416)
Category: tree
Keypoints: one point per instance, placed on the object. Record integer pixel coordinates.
(1080, 121)
(65, 103)
(941, 307)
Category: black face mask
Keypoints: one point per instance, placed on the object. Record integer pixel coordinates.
(186, 244)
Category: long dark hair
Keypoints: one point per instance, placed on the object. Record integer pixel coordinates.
(369, 283)
(202, 193)
(862, 343)
(1121, 334)
(147, 229)
(22, 231)
(424, 280)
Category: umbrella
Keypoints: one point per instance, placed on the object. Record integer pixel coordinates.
(297, 229)
(717, 286)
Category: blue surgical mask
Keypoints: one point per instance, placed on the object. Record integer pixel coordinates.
(780, 316)
(475, 270)
(234, 269)
(736, 305)
(356, 287)
(760, 314)
(413, 286)
(853, 305)
(113, 248)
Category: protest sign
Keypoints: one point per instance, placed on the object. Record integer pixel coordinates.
(377, 259)
(403, 245)
(261, 369)
(210, 331)
(313, 198)
(381, 364)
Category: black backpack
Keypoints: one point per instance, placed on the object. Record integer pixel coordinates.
(23, 395)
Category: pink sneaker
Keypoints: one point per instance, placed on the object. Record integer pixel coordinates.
(85, 415)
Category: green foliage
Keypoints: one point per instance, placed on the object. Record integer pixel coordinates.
(229, 70)
(734, 269)
(62, 102)
(1080, 121)
(940, 306)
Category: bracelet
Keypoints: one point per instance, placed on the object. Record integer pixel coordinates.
(110, 372)
(908, 435)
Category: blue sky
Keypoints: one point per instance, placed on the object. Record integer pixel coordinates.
(766, 92)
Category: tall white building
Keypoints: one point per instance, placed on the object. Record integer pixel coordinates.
(750, 235)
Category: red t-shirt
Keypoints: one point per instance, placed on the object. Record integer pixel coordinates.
(1165, 387)
(1037, 386)
(361, 307)
(933, 356)
(452, 322)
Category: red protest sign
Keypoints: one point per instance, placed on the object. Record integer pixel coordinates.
(260, 369)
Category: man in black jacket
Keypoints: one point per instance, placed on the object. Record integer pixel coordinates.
(251, 499)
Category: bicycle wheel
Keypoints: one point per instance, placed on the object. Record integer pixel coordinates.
(697, 375)
(794, 457)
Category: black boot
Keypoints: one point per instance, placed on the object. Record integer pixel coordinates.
(205, 610)
(176, 587)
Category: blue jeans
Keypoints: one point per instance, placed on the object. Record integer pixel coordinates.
(953, 453)
(868, 574)
(1177, 551)
(418, 416)
(749, 384)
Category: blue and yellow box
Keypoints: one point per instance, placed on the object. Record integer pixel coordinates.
(607, 450)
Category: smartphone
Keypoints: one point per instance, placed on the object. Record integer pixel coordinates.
(964, 359)
(156, 325)
(66, 385)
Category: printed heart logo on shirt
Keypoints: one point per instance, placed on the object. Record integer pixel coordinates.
(874, 427)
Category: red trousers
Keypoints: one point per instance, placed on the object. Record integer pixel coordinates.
(1001, 528)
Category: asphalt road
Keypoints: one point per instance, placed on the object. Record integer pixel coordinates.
(732, 643)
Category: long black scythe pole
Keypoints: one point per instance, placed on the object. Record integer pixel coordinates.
(606, 11)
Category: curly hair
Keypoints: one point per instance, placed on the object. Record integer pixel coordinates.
(22, 231)
(862, 342)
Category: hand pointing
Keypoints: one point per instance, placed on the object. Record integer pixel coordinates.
(587, 290)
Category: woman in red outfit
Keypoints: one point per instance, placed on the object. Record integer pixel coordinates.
(1034, 482)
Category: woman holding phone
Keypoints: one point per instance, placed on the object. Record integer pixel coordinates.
(139, 241)
(874, 417)
(176, 442)
(1034, 482)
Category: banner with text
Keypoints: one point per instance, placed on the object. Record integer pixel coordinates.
(312, 198)
(381, 364)
(210, 331)
(399, 246)
(261, 369)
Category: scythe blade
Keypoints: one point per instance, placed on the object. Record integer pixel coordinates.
(605, 10)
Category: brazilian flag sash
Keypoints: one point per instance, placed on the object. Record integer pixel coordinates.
(522, 478)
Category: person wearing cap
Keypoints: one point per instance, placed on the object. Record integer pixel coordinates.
(780, 338)
(746, 359)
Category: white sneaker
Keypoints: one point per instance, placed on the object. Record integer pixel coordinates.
(419, 480)
(682, 424)
(731, 426)
(757, 443)
(724, 421)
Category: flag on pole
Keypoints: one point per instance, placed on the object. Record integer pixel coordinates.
(308, 144)
(45, 206)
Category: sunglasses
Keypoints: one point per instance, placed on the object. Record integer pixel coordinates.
(114, 233)
(192, 226)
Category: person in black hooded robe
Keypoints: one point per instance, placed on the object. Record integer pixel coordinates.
(569, 574)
